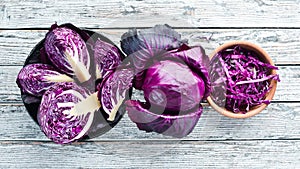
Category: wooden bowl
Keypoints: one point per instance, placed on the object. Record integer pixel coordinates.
(263, 56)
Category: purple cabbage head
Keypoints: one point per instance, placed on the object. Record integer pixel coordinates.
(68, 52)
(62, 114)
(173, 77)
(37, 78)
(173, 85)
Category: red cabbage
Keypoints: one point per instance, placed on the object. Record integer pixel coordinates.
(143, 45)
(66, 112)
(196, 59)
(177, 126)
(173, 85)
(240, 80)
(36, 78)
(68, 52)
(107, 58)
(114, 90)
(173, 77)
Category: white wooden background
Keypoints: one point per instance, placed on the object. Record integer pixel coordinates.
(268, 140)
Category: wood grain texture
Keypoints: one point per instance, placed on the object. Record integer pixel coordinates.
(146, 154)
(281, 44)
(128, 13)
(287, 90)
(278, 121)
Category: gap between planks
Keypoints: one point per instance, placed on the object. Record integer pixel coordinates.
(204, 104)
(140, 27)
(152, 140)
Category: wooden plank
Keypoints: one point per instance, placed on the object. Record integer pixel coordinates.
(9, 91)
(282, 44)
(288, 89)
(278, 121)
(116, 13)
(146, 154)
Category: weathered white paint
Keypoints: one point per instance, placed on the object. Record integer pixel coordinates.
(281, 44)
(278, 121)
(128, 13)
(152, 154)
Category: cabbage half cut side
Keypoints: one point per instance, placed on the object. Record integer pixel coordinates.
(66, 112)
(35, 79)
(68, 52)
(114, 90)
(107, 58)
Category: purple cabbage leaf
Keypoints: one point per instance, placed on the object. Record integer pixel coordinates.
(173, 94)
(196, 59)
(173, 85)
(143, 45)
(177, 126)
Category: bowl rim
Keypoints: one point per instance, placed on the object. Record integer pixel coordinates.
(269, 96)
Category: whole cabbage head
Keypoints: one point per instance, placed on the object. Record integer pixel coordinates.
(173, 77)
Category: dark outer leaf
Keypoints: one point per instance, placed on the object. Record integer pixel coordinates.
(176, 126)
(141, 46)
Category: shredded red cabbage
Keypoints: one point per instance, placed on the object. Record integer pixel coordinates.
(243, 77)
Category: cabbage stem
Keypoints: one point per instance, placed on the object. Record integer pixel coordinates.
(98, 73)
(59, 78)
(114, 111)
(90, 104)
(81, 72)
